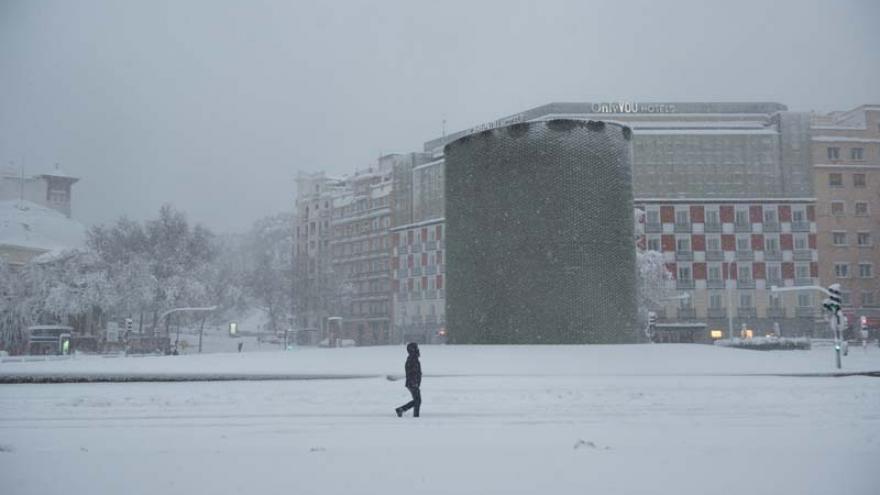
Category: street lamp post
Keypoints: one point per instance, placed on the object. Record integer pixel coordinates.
(729, 300)
(832, 305)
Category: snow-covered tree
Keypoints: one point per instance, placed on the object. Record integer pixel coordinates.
(270, 276)
(157, 266)
(654, 282)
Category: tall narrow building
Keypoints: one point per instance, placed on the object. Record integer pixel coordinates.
(846, 157)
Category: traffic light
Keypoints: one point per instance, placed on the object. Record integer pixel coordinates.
(129, 323)
(863, 323)
(833, 302)
(652, 325)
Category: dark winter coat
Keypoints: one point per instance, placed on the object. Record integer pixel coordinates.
(413, 367)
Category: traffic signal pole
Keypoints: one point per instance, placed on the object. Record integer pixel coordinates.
(831, 305)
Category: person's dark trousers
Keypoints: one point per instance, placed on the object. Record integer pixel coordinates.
(414, 404)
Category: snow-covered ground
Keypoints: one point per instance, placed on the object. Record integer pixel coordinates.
(679, 419)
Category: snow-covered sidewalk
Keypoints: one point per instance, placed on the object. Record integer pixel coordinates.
(580, 419)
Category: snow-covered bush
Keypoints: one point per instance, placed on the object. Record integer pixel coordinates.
(767, 343)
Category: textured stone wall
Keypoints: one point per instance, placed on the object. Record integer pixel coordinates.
(540, 235)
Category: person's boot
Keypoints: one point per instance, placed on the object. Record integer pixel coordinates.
(399, 412)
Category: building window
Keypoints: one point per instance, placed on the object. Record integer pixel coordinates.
(775, 301)
(654, 243)
(770, 214)
(838, 238)
(837, 208)
(859, 180)
(745, 300)
(804, 300)
(833, 153)
(744, 272)
(771, 244)
(841, 270)
(684, 272)
(866, 270)
(774, 272)
(861, 209)
(683, 244)
(835, 180)
(867, 298)
(714, 274)
(857, 153)
(712, 217)
(713, 243)
(798, 215)
(743, 243)
(802, 271)
(864, 239)
(682, 217)
(800, 242)
(742, 217)
(715, 301)
(652, 217)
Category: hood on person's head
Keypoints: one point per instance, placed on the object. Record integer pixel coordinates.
(413, 349)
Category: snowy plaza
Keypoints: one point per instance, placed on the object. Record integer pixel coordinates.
(679, 419)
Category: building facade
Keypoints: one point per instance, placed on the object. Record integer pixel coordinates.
(343, 255)
(360, 247)
(726, 255)
(317, 287)
(750, 162)
(418, 262)
(846, 155)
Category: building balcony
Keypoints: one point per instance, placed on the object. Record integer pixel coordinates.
(775, 312)
(772, 255)
(745, 284)
(745, 256)
(431, 245)
(684, 284)
(771, 227)
(805, 312)
(803, 281)
(802, 255)
(716, 313)
(653, 228)
(714, 255)
(712, 227)
(684, 256)
(746, 312)
(682, 228)
(778, 282)
(687, 313)
(742, 227)
(714, 284)
(800, 226)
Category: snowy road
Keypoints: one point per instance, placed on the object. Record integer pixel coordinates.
(579, 429)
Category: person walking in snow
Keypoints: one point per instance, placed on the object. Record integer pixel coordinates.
(413, 381)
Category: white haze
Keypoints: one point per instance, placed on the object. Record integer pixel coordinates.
(215, 106)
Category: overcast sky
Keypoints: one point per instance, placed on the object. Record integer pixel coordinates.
(214, 106)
